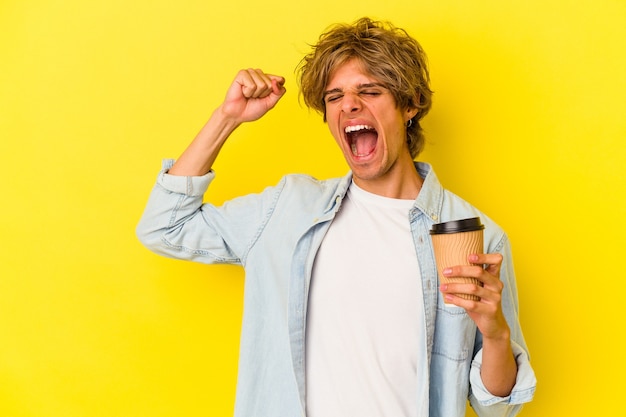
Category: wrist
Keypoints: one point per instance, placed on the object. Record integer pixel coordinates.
(497, 338)
(223, 118)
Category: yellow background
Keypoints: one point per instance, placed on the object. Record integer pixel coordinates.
(528, 124)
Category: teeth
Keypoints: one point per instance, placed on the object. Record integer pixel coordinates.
(350, 129)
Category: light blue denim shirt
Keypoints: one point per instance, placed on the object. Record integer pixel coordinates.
(275, 235)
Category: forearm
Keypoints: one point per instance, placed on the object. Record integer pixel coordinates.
(200, 155)
(499, 368)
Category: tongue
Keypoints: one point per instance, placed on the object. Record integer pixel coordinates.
(363, 143)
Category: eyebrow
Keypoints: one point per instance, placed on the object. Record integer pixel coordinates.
(358, 87)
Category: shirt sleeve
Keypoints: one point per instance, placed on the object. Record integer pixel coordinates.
(487, 404)
(188, 186)
(177, 223)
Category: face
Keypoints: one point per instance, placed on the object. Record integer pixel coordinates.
(369, 128)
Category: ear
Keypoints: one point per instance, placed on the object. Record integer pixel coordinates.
(410, 113)
(412, 110)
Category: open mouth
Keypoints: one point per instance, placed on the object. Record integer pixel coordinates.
(362, 139)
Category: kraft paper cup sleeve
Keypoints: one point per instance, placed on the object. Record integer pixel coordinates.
(453, 242)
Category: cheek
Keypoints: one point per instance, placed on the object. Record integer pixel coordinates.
(329, 117)
(333, 127)
(336, 135)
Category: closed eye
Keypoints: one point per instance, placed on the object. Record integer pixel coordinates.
(370, 93)
(363, 90)
(334, 97)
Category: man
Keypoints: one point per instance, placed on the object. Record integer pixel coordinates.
(343, 311)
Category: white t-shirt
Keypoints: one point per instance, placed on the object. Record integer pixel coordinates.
(365, 341)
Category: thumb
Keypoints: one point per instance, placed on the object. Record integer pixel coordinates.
(278, 85)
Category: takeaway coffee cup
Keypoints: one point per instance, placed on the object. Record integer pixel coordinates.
(453, 242)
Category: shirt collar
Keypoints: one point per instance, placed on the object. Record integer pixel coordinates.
(429, 200)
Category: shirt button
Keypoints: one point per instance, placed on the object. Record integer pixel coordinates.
(434, 217)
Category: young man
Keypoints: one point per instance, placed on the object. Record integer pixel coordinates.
(344, 314)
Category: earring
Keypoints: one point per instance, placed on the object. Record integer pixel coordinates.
(409, 123)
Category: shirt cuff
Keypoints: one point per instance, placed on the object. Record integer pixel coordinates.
(525, 383)
(189, 186)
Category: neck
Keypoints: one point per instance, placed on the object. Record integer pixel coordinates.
(405, 184)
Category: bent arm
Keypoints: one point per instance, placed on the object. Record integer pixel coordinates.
(501, 378)
(175, 222)
(500, 362)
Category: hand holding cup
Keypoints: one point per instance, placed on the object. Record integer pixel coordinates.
(453, 242)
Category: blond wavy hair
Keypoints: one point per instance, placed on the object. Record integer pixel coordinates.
(387, 53)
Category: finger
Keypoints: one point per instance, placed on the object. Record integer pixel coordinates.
(456, 288)
(262, 83)
(457, 294)
(468, 271)
(492, 261)
(278, 84)
(486, 278)
(485, 258)
(249, 83)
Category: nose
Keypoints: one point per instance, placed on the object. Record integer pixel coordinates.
(351, 103)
